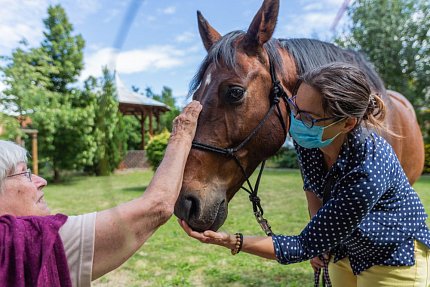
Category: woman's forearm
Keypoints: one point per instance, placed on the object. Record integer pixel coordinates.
(260, 246)
(167, 180)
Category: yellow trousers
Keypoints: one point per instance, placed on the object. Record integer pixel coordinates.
(384, 276)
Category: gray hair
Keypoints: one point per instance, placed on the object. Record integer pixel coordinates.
(10, 155)
(346, 93)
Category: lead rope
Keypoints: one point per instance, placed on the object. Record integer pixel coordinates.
(317, 274)
(255, 200)
(326, 278)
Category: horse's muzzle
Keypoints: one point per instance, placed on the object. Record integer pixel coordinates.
(201, 214)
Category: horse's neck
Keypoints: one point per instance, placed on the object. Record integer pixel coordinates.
(289, 75)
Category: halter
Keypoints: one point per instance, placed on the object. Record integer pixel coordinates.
(277, 92)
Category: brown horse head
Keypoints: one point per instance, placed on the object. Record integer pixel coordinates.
(234, 86)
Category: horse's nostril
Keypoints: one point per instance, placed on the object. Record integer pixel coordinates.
(192, 206)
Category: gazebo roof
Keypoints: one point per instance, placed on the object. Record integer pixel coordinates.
(129, 100)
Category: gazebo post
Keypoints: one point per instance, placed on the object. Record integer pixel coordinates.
(132, 103)
(34, 148)
(142, 128)
(35, 153)
(150, 122)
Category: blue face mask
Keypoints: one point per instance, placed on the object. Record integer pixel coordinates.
(309, 137)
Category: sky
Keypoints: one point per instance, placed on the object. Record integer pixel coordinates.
(163, 46)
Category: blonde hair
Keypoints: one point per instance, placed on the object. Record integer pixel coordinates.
(10, 155)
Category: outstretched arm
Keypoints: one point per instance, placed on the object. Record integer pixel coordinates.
(257, 245)
(349, 209)
(121, 231)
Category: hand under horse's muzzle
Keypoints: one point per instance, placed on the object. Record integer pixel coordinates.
(201, 213)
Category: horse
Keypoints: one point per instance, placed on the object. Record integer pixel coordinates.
(239, 127)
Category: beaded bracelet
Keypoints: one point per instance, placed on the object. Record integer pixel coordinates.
(238, 245)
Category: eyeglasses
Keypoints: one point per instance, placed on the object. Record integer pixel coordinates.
(306, 118)
(27, 174)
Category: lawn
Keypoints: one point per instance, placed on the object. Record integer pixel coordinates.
(170, 258)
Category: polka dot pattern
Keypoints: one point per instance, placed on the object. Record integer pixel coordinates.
(373, 214)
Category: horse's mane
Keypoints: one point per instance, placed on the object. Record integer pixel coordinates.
(307, 54)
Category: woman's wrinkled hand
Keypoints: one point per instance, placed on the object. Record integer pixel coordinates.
(184, 125)
(211, 237)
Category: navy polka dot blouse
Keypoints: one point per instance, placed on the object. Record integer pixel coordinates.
(373, 214)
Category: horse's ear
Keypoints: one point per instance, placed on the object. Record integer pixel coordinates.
(208, 34)
(263, 25)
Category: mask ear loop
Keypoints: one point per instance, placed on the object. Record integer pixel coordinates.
(332, 124)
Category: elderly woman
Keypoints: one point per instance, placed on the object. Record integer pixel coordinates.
(365, 214)
(39, 249)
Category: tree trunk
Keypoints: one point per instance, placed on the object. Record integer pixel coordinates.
(57, 176)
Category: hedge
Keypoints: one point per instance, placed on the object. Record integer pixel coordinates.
(156, 147)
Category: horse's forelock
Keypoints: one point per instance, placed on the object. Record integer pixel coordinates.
(225, 51)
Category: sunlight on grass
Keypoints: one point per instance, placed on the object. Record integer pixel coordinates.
(170, 258)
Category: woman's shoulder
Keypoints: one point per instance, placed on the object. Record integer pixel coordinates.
(372, 152)
(369, 143)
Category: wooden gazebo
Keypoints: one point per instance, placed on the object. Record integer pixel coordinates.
(140, 106)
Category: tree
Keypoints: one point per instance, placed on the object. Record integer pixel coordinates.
(9, 128)
(40, 84)
(70, 145)
(395, 37)
(63, 49)
(25, 76)
(109, 129)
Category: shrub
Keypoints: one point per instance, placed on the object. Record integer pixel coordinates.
(286, 158)
(156, 147)
(427, 159)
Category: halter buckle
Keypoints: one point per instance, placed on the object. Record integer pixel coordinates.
(230, 152)
(264, 224)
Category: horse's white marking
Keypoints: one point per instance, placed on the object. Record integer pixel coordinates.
(208, 79)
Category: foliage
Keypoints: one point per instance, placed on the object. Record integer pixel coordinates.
(109, 133)
(39, 84)
(10, 128)
(395, 36)
(427, 159)
(132, 129)
(63, 49)
(167, 98)
(286, 158)
(26, 81)
(178, 260)
(77, 128)
(132, 125)
(156, 148)
(425, 123)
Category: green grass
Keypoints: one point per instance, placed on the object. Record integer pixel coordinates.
(171, 258)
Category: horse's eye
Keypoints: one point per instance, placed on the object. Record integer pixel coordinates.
(235, 94)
